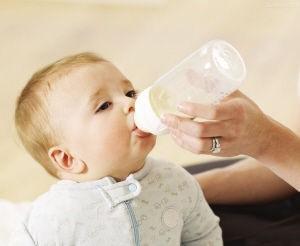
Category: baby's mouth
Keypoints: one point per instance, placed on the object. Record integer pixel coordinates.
(140, 133)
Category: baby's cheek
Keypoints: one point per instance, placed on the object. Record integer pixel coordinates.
(117, 138)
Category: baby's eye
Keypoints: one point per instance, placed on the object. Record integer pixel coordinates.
(132, 93)
(103, 107)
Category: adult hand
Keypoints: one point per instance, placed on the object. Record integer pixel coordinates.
(239, 124)
(242, 128)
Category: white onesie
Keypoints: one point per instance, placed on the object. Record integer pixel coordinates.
(161, 204)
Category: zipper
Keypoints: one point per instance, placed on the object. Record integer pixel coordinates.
(133, 223)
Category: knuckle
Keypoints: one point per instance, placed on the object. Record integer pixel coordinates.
(175, 122)
(231, 128)
(238, 130)
(179, 134)
(199, 148)
(233, 132)
(197, 151)
(189, 109)
(215, 112)
(199, 131)
(240, 110)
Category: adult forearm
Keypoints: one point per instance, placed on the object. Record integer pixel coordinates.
(281, 153)
(245, 182)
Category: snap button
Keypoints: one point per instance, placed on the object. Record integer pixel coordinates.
(170, 217)
(132, 187)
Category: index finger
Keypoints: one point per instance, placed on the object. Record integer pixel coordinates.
(223, 111)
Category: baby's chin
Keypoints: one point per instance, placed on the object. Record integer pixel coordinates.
(141, 155)
(150, 144)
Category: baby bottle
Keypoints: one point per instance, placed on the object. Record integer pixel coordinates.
(206, 76)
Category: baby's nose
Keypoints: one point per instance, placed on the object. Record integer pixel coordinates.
(129, 105)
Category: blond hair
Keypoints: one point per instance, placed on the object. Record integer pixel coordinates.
(32, 119)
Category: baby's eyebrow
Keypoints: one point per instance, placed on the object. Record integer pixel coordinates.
(95, 96)
(127, 82)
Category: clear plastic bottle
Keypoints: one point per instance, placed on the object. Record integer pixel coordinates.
(206, 76)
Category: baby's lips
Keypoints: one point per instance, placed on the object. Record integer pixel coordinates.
(141, 133)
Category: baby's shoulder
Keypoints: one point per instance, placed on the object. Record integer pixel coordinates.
(171, 183)
(60, 202)
(58, 210)
(172, 175)
(50, 203)
(169, 171)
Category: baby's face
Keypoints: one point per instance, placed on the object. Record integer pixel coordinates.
(94, 107)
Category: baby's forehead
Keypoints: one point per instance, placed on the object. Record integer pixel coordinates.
(81, 81)
(91, 75)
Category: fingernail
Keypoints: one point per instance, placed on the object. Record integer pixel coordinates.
(180, 107)
(163, 117)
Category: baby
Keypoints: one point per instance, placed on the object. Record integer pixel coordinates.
(75, 117)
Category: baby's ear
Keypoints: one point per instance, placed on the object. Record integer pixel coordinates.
(64, 161)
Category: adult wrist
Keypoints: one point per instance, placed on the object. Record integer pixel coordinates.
(278, 143)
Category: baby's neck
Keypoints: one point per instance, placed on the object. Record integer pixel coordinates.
(123, 176)
(118, 175)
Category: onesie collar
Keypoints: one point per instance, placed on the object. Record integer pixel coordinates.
(113, 192)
